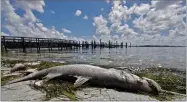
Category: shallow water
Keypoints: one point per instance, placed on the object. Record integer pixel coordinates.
(169, 57)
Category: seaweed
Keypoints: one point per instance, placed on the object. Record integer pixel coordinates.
(41, 66)
(55, 89)
(167, 80)
(4, 80)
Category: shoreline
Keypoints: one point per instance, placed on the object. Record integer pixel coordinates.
(148, 72)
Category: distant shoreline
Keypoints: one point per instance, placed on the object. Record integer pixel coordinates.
(155, 46)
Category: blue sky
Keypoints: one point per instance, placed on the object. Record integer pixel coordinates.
(135, 21)
(64, 16)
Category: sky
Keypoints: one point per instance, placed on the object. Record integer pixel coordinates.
(136, 21)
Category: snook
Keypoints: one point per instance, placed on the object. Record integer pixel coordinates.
(106, 77)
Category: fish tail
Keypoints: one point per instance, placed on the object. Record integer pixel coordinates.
(31, 76)
(20, 79)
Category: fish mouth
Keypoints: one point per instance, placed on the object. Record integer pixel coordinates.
(155, 87)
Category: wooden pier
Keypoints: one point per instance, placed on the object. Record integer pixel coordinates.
(24, 43)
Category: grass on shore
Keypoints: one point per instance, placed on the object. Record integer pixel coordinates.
(52, 88)
(4, 80)
(11, 63)
(167, 80)
(42, 65)
(55, 89)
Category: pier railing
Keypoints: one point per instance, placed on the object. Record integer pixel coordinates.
(15, 42)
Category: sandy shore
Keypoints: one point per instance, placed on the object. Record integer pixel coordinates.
(22, 91)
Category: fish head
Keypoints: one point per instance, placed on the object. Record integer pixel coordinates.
(149, 85)
(156, 88)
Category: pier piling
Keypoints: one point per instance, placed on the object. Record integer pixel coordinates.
(25, 43)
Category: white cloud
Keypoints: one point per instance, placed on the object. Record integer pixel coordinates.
(122, 29)
(115, 37)
(76, 39)
(31, 4)
(53, 12)
(66, 30)
(142, 9)
(4, 34)
(153, 24)
(102, 9)
(179, 31)
(29, 17)
(139, 10)
(28, 25)
(131, 10)
(118, 12)
(78, 13)
(101, 25)
(118, 15)
(85, 17)
(162, 4)
(106, 38)
(95, 38)
(160, 20)
(41, 27)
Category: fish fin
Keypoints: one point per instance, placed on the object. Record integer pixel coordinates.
(80, 81)
(140, 81)
(51, 76)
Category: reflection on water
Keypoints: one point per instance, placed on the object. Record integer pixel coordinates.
(170, 57)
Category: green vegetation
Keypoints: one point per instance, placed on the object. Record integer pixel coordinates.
(42, 65)
(5, 54)
(167, 80)
(11, 63)
(54, 89)
(4, 80)
(166, 97)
